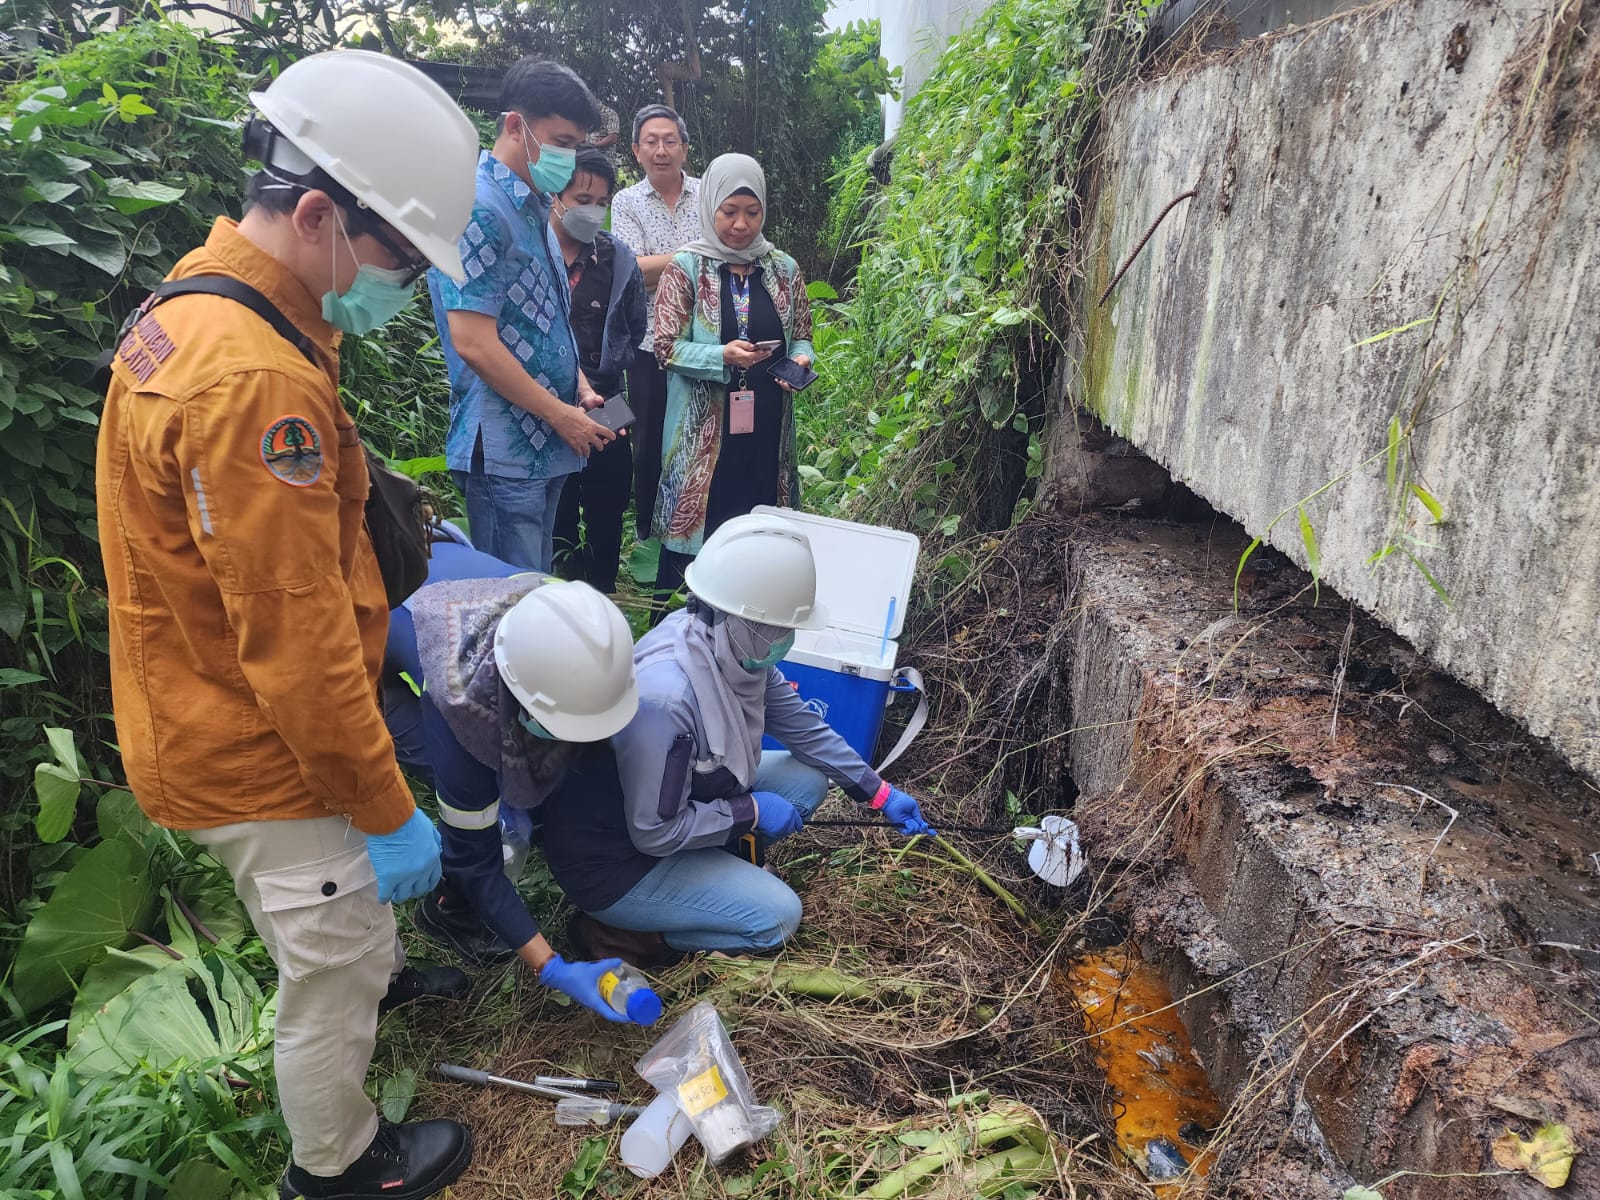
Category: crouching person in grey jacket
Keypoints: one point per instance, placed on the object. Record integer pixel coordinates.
(638, 833)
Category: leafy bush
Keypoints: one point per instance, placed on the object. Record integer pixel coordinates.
(114, 159)
(934, 365)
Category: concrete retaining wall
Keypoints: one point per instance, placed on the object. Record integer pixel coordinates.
(1373, 899)
(1353, 177)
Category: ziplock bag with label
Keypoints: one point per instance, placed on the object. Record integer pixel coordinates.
(695, 1061)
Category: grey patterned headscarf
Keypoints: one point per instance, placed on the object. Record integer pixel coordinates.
(725, 176)
(456, 621)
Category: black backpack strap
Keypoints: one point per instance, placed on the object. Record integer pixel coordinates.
(225, 286)
(240, 292)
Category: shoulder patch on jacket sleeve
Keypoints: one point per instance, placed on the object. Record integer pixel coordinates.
(291, 449)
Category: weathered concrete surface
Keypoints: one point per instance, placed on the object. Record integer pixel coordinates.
(1354, 177)
(1374, 894)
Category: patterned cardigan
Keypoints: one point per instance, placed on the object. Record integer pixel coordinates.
(688, 345)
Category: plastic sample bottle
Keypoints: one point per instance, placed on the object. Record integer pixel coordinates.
(628, 992)
(516, 841)
(660, 1132)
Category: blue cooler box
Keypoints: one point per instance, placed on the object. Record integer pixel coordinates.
(846, 671)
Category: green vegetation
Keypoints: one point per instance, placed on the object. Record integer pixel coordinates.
(114, 159)
(934, 365)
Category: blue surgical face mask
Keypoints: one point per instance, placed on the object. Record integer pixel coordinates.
(552, 170)
(375, 296)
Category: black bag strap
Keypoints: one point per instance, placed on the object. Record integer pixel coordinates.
(240, 292)
(225, 286)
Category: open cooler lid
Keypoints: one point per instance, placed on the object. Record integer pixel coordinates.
(860, 569)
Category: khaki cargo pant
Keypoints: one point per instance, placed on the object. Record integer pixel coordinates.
(311, 893)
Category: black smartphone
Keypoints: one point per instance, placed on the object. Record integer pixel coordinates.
(796, 376)
(614, 414)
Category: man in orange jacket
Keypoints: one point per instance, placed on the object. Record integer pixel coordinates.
(248, 614)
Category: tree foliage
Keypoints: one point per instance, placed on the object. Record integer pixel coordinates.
(114, 159)
(935, 363)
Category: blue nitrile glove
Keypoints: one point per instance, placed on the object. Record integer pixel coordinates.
(901, 811)
(407, 860)
(581, 981)
(775, 816)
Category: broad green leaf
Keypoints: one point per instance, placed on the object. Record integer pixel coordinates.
(105, 896)
(110, 257)
(1435, 509)
(196, 1009)
(109, 977)
(118, 815)
(642, 562)
(128, 196)
(131, 106)
(396, 1093)
(53, 191)
(820, 289)
(154, 1020)
(63, 747)
(416, 468)
(11, 676)
(198, 1179)
(57, 789)
(37, 235)
(585, 1172)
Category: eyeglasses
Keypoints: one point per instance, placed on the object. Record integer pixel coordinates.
(670, 143)
(414, 265)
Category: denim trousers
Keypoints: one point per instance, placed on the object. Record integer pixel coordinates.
(512, 519)
(711, 900)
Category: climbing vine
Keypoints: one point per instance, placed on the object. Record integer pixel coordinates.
(936, 360)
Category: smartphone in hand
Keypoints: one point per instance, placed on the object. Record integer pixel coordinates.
(771, 347)
(796, 376)
(614, 414)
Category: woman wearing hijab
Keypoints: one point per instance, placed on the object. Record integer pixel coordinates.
(638, 833)
(728, 443)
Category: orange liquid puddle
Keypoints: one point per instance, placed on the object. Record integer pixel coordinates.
(1156, 1080)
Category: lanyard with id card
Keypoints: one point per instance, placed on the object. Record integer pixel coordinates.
(742, 401)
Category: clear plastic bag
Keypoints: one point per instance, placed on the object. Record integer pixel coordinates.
(695, 1061)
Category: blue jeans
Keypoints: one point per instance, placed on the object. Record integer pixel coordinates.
(512, 519)
(709, 899)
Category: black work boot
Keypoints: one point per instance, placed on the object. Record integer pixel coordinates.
(442, 916)
(595, 940)
(421, 983)
(404, 1162)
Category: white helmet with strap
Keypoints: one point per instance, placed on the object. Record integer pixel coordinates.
(759, 567)
(566, 653)
(390, 135)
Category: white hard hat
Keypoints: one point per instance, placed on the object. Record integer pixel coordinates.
(389, 134)
(566, 654)
(759, 567)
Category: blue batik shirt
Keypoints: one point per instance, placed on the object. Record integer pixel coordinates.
(511, 258)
